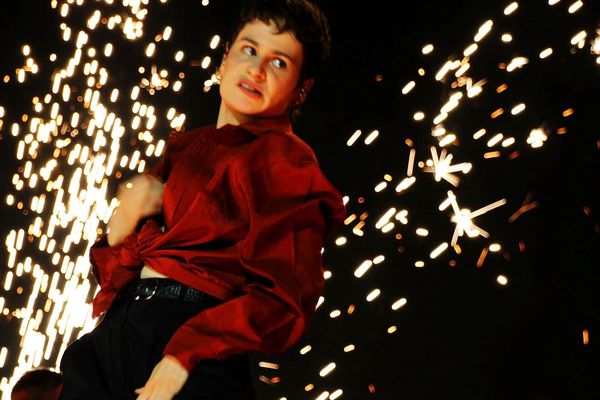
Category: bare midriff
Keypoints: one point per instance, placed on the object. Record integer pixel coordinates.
(148, 272)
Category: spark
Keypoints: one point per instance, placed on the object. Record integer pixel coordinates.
(573, 8)
(443, 169)
(405, 184)
(353, 138)
(536, 138)
(484, 30)
(327, 369)
(519, 108)
(373, 295)
(411, 162)
(408, 87)
(517, 62)
(495, 247)
(469, 51)
(399, 304)
(511, 8)
(379, 259)
(268, 365)
(595, 46)
(482, 257)
(526, 206)
(579, 39)
(340, 241)
(546, 53)
(323, 396)
(422, 232)
(380, 186)
(463, 218)
(371, 137)
(438, 250)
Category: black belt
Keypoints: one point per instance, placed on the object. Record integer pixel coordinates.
(144, 289)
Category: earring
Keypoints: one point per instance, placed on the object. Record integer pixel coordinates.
(301, 96)
(218, 75)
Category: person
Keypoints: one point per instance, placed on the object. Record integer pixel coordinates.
(37, 384)
(217, 250)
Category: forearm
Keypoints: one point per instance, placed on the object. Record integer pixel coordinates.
(119, 227)
(256, 321)
(139, 198)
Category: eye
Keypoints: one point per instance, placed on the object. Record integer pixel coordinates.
(251, 51)
(279, 63)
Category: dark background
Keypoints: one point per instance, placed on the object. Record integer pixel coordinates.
(461, 334)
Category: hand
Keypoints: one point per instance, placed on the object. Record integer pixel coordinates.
(166, 380)
(139, 197)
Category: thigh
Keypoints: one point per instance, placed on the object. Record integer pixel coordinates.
(158, 319)
(92, 366)
(149, 326)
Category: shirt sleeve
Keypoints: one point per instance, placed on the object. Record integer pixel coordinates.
(114, 267)
(291, 208)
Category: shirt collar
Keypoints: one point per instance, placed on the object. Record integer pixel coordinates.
(260, 127)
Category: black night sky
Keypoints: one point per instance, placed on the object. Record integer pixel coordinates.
(461, 334)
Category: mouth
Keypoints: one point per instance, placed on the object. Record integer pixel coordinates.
(249, 88)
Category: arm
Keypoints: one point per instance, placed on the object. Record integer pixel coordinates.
(290, 208)
(139, 197)
(113, 256)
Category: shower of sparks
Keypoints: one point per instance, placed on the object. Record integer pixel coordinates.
(73, 142)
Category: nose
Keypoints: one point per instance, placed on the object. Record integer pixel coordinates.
(256, 69)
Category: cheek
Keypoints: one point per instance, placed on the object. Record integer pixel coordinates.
(286, 91)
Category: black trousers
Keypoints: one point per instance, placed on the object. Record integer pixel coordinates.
(119, 355)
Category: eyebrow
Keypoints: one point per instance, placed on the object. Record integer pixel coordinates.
(255, 43)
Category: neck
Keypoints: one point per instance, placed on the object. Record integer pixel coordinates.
(227, 117)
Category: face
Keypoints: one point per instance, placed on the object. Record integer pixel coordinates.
(260, 73)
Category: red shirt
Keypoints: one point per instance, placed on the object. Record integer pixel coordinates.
(245, 211)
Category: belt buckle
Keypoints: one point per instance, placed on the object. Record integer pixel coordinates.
(154, 289)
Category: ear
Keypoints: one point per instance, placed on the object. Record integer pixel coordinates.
(225, 54)
(303, 90)
(219, 71)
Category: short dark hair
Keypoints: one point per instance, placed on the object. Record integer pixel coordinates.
(301, 17)
(37, 382)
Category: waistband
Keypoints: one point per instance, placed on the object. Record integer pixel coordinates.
(147, 288)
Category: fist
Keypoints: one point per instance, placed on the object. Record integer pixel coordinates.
(166, 380)
(139, 197)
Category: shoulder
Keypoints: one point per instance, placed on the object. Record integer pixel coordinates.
(271, 149)
(178, 141)
(177, 137)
